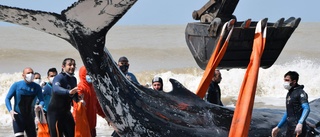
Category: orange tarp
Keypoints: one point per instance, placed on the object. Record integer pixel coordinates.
(243, 111)
(43, 129)
(214, 61)
(82, 126)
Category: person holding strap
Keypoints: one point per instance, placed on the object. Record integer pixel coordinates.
(297, 108)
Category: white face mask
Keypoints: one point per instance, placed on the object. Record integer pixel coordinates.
(37, 81)
(51, 79)
(29, 77)
(286, 85)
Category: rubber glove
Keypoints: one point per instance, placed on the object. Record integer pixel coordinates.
(73, 91)
(275, 131)
(37, 108)
(12, 113)
(298, 129)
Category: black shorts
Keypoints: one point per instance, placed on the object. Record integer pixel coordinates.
(21, 124)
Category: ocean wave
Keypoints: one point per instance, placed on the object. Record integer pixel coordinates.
(270, 91)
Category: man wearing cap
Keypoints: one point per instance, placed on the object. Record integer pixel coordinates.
(123, 65)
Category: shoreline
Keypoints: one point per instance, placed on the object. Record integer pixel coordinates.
(7, 131)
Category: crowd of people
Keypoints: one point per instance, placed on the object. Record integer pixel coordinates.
(60, 92)
(54, 98)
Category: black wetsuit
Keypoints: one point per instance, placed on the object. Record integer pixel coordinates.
(294, 100)
(60, 119)
(23, 93)
(214, 94)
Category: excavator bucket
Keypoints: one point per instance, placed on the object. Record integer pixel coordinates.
(202, 37)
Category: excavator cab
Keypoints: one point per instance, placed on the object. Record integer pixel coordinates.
(202, 36)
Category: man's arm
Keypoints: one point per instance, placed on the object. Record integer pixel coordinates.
(276, 129)
(46, 90)
(304, 115)
(304, 105)
(133, 78)
(283, 120)
(39, 95)
(56, 86)
(305, 112)
(11, 93)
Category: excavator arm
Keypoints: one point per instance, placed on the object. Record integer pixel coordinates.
(201, 37)
(222, 9)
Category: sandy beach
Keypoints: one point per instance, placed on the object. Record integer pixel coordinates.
(101, 132)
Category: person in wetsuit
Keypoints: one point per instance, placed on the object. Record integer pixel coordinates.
(52, 72)
(214, 93)
(157, 84)
(24, 92)
(123, 64)
(297, 107)
(64, 90)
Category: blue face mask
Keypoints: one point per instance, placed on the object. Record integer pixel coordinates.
(88, 79)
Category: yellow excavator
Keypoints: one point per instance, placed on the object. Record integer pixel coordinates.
(202, 36)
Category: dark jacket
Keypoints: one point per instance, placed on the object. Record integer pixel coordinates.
(214, 94)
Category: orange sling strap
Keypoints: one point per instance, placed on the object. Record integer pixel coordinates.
(215, 59)
(82, 128)
(43, 129)
(243, 111)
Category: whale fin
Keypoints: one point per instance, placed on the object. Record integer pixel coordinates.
(97, 15)
(50, 23)
(184, 95)
(91, 16)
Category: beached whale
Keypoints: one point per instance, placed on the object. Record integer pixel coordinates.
(132, 109)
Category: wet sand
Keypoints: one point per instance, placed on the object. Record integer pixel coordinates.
(7, 131)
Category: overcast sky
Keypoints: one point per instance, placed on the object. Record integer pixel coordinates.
(158, 12)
